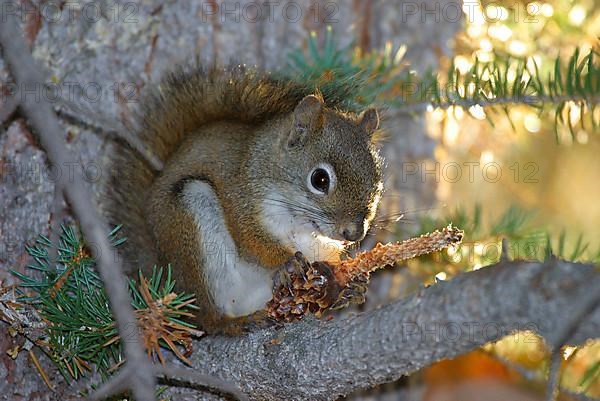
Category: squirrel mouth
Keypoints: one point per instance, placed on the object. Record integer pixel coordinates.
(317, 229)
(319, 232)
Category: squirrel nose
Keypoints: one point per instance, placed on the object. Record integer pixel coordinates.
(354, 231)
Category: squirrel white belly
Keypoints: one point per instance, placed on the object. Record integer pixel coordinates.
(237, 287)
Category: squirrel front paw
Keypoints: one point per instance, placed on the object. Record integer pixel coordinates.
(301, 287)
(296, 266)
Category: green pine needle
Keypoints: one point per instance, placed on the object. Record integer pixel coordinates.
(570, 86)
(525, 240)
(590, 376)
(68, 293)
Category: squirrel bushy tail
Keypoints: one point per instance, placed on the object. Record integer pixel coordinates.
(186, 99)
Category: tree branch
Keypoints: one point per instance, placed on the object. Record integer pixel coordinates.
(420, 107)
(42, 118)
(8, 108)
(80, 116)
(321, 360)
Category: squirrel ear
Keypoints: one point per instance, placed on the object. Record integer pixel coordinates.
(307, 116)
(369, 120)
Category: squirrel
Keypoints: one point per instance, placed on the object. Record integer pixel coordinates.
(256, 167)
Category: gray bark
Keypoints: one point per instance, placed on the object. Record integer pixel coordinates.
(321, 360)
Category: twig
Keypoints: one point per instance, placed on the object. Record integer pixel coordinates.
(320, 286)
(22, 317)
(8, 108)
(41, 117)
(56, 215)
(71, 113)
(528, 374)
(118, 383)
(504, 254)
(533, 376)
(193, 377)
(383, 255)
(417, 107)
(553, 384)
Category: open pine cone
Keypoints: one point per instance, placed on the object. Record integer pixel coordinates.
(302, 287)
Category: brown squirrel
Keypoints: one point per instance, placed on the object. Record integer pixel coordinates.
(255, 169)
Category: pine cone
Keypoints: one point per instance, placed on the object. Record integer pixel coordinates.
(302, 287)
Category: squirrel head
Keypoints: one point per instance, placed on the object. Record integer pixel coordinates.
(329, 170)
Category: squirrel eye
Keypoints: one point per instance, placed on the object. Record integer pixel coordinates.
(319, 179)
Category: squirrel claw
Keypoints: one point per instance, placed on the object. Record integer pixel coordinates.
(297, 265)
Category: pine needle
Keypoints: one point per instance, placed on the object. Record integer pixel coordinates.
(68, 316)
(40, 370)
(382, 79)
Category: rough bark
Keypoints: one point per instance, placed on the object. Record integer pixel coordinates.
(321, 360)
(42, 118)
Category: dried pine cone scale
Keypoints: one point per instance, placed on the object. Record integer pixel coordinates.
(302, 287)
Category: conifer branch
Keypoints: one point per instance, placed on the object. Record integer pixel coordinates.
(66, 314)
(42, 118)
(80, 329)
(515, 235)
(384, 78)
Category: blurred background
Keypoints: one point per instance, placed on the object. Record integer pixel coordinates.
(517, 174)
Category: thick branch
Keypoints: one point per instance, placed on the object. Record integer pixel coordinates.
(321, 360)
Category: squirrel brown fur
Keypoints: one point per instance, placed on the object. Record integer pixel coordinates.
(255, 168)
